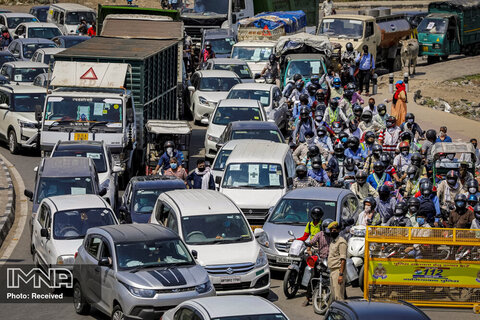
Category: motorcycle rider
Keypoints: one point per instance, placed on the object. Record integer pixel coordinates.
(464, 175)
(377, 150)
(333, 113)
(287, 91)
(348, 58)
(6, 38)
(399, 218)
(346, 102)
(323, 139)
(361, 188)
(297, 91)
(337, 255)
(303, 125)
(170, 152)
(427, 146)
(371, 106)
(302, 180)
(472, 201)
(367, 123)
(381, 117)
(313, 226)
(448, 189)
(476, 221)
(368, 142)
(318, 173)
(471, 188)
(429, 203)
(354, 130)
(354, 151)
(413, 205)
(413, 181)
(385, 203)
(314, 83)
(425, 231)
(379, 176)
(335, 167)
(411, 126)
(391, 135)
(417, 161)
(313, 151)
(350, 169)
(320, 100)
(273, 69)
(402, 160)
(369, 216)
(301, 151)
(357, 112)
(302, 102)
(386, 160)
(336, 91)
(207, 53)
(461, 217)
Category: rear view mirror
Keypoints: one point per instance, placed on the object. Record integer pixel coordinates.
(28, 194)
(102, 192)
(4, 106)
(290, 232)
(219, 146)
(258, 232)
(191, 88)
(195, 254)
(44, 233)
(204, 121)
(16, 55)
(104, 262)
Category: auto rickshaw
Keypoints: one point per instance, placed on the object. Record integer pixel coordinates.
(450, 156)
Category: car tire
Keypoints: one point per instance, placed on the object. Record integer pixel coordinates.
(79, 302)
(117, 313)
(12, 142)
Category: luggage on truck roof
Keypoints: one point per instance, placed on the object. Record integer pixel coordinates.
(168, 127)
(304, 43)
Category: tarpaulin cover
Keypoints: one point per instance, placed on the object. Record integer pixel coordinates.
(292, 21)
(311, 43)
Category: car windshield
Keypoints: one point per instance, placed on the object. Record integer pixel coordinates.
(432, 25)
(30, 48)
(293, 211)
(49, 187)
(342, 28)
(217, 84)
(144, 254)
(73, 224)
(254, 54)
(74, 40)
(242, 70)
(260, 95)
(206, 7)
(28, 102)
(49, 59)
(144, 199)
(307, 68)
(46, 33)
(13, 22)
(42, 14)
(6, 58)
(253, 176)
(269, 135)
(84, 110)
(225, 115)
(221, 159)
(27, 74)
(96, 154)
(74, 17)
(215, 228)
(223, 45)
(274, 316)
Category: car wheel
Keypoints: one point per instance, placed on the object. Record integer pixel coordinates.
(79, 303)
(12, 142)
(117, 313)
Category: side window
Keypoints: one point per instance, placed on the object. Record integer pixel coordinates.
(186, 314)
(55, 15)
(42, 215)
(48, 218)
(369, 29)
(290, 165)
(105, 251)
(336, 314)
(2, 20)
(349, 207)
(62, 16)
(10, 72)
(39, 57)
(168, 217)
(277, 95)
(239, 5)
(4, 97)
(94, 246)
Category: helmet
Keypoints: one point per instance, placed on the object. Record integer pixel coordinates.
(370, 200)
(316, 162)
(390, 185)
(472, 200)
(339, 149)
(272, 58)
(382, 109)
(337, 127)
(410, 116)
(351, 87)
(412, 171)
(431, 135)
(303, 98)
(348, 94)
(169, 144)
(321, 131)
(353, 142)
(349, 47)
(301, 170)
(400, 209)
(369, 137)
(319, 115)
(325, 224)
(316, 213)
(416, 159)
(384, 192)
(413, 204)
(357, 110)
(391, 120)
(349, 163)
(460, 201)
(361, 176)
(404, 145)
(406, 136)
(312, 89)
(304, 113)
(377, 150)
(452, 178)
(269, 79)
(320, 95)
(367, 116)
(378, 167)
(313, 151)
(337, 83)
(4, 29)
(315, 79)
(426, 188)
(299, 84)
(472, 186)
(296, 77)
(476, 211)
(385, 159)
(334, 103)
(208, 45)
(353, 125)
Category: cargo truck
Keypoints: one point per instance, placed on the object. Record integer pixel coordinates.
(451, 27)
(377, 28)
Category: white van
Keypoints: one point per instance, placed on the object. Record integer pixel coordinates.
(220, 238)
(257, 174)
(67, 16)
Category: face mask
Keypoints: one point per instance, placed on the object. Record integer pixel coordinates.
(404, 153)
(344, 140)
(173, 165)
(361, 182)
(426, 193)
(472, 190)
(451, 182)
(371, 105)
(421, 221)
(399, 212)
(301, 175)
(201, 169)
(474, 145)
(413, 209)
(382, 113)
(368, 209)
(309, 140)
(169, 151)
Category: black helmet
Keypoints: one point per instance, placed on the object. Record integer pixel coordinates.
(412, 171)
(413, 204)
(301, 170)
(384, 192)
(361, 177)
(431, 135)
(315, 79)
(400, 209)
(379, 167)
(406, 136)
(313, 151)
(391, 120)
(342, 135)
(316, 213)
(416, 159)
(426, 188)
(353, 125)
(4, 29)
(377, 150)
(349, 47)
(297, 76)
(169, 144)
(321, 131)
(452, 178)
(320, 95)
(370, 200)
(299, 84)
(349, 164)
(312, 89)
(409, 116)
(348, 94)
(369, 137)
(208, 45)
(269, 79)
(460, 201)
(325, 224)
(316, 162)
(304, 112)
(272, 58)
(351, 86)
(382, 109)
(339, 149)
(476, 211)
(385, 159)
(334, 103)
(472, 186)
(367, 116)
(353, 142)
(357, 110)
(303, 98)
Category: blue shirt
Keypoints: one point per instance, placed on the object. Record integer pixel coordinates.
(366, 62)
(358, 155)
(165, 159)
(319, 175)
(447, 139)
(374, 181)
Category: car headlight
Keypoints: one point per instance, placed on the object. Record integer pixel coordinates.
(138, 292)
(436, 46)
(26, 124)
(212, 138)
(66, 259)
(261, 259)
(204, 287)
(202, 100)
(263, 240)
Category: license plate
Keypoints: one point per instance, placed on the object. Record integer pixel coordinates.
(425, 48)
(227, 280)
(80, 136)
(284, 259)
(255, 227)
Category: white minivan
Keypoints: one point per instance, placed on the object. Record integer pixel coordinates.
(220, 238)
(67, 16)
(257, 174)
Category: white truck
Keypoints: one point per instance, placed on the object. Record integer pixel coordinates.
(89, 102)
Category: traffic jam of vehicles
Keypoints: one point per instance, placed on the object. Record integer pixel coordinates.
(304, 176)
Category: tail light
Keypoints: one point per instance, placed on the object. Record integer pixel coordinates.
(311, 261)
(76, 254)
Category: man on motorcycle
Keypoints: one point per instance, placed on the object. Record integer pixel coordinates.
(320, 100)
(416, 251)
(411, 126)
(357, 112)
(346, 103)
(336, 91)
(302, 150)
(314, 226)
(297, 91)
(337, 256)
(374, 157)
(302, 180)
(354, 130)
(333, 113)
(350, 170)
(413, 205)
(402, 160)
(386, 160)
(273, 69)
(427, 146)
(323, 139)
(413, 181)
(448, 189)
(368, 142)
(367, 123)
(378, 177)
(335, 167)
(385, 203)
(287, 91)
(472, 201)
(302, 126)
(399, 218)
(361, 188)
(391, 135)
(371, 106)
(207, 53)
(298, 105)
(429, 203)
(348, 59)
(369, 216)
(354, 151)
(461, 217)
(318, 173)
(313, 151)
(381, 117)
(417, 161)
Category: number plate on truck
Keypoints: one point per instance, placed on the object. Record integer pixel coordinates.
(80, 136)
(425, 48)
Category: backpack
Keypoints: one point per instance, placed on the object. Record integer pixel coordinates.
(427, 206)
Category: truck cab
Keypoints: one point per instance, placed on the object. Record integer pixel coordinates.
(437, 36)
(89, 103)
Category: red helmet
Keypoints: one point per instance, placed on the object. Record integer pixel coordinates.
(403, 144)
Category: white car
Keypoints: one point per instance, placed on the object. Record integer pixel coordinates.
(228, 307)
(216, 231)
(18, 105)
(218, 165)
(207, 88)
(255, 53)
(240, 67)
(269, 95)
(46, 55)
(101, 156)
(227, 111)
(11, 20)
(61, 224)
(43, 30)
(22, 72)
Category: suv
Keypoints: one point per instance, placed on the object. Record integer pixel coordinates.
(22, 72)
(141, 195)
(135, 271)
(20, 106)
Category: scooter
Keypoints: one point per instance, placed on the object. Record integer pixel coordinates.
(296, 276)
(355, 255)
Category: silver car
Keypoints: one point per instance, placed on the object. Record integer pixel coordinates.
(292, 212)
(136, 271)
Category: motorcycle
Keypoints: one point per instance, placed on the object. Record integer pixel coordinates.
(356, 253)
(294, 277)
(321, 285)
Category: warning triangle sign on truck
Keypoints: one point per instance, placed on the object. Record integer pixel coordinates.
(89, 75)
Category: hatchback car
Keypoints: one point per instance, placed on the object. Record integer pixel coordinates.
(23, 72)
(42, 30)
(141, 195)
(69, 41)
(208, 87)
(292, 213)
(270, 97)
(228, 111)
(226, 308)
(61, 225)
(259, 130)
(240, 67)
(136, 271)
(40, 12)
(11, 20)
(23, 49)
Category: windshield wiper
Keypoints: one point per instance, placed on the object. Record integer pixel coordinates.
(59, 122)
(145, 266)
(99, 123)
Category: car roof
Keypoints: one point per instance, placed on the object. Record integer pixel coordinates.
(217, 33)
(398, 310)
(79, 145)
(51, 50)
(253, 86)
(66, 167)
(311, 193)
(228, 61)
(38, 24)
(193, 202)
(81, 201)
(155, 182)
(239, 305)
(34, 40)
(260, 151)
(238, 103)
(230, 145)
(21, 88)
(26, 64)
(18, 14)
(40, 7)
(71, 6)
(253, 125)
(66, 36)
(137, 232)
(217, 73)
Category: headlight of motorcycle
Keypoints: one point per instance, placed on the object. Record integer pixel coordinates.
(26, 124)
(139, 292)
(261, 259)
(66, 259)
(204, 287)
(212, 138)
(202, 100)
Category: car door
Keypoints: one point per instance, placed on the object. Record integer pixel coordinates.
(91, 281)
(45, 242)
(104, 278)
(4, 111)
(37, 224)
(281, 106)
(167, 217)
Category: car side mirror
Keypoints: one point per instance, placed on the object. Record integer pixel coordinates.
(290, 232)
(129, 115)
(104, 262)
(102, 192)
(204, 121)
(116, 169)
(28, 194)
(38, 113)
(195, 254)
(219, 146)
(44, 233)
(191, 88)
(218, 180)
(4, 106)
(258, 232)
(257, 76)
